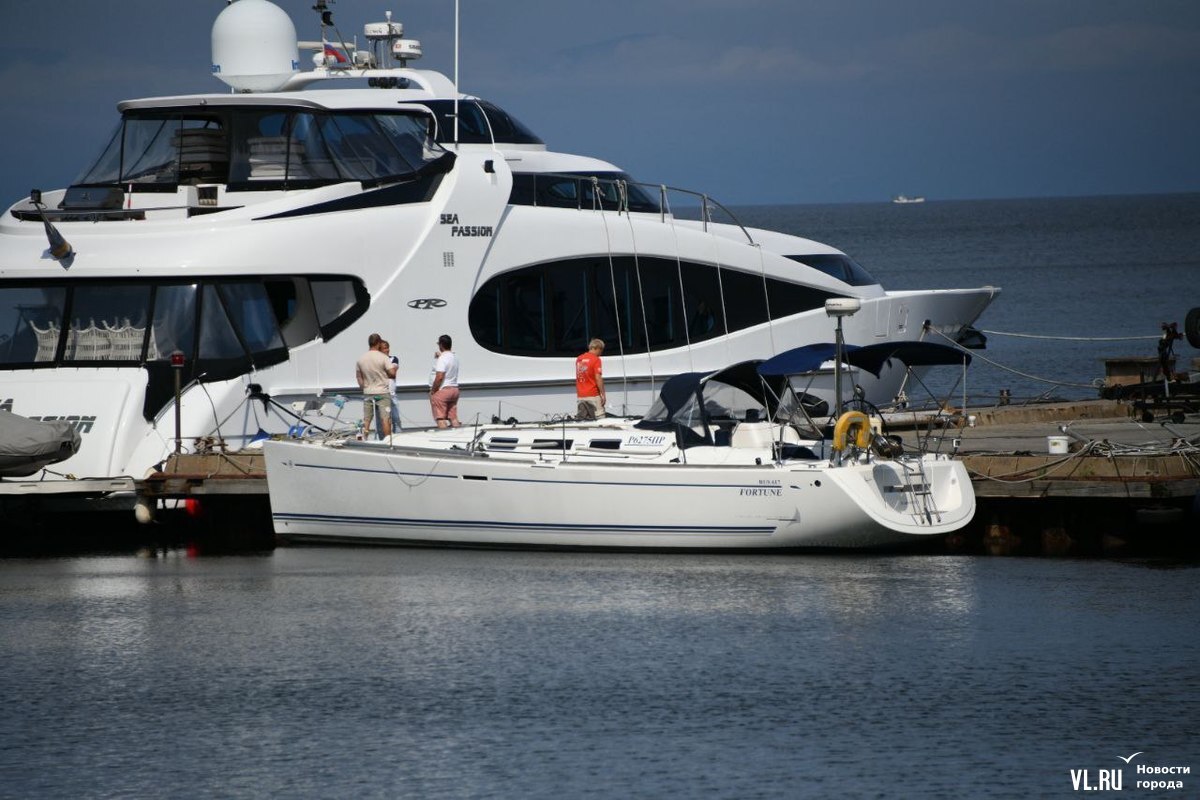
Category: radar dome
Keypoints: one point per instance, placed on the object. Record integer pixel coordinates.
(254, 46)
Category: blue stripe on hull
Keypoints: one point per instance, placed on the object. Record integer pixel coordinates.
(497, 525)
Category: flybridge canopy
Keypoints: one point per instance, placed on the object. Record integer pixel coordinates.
(430, 86)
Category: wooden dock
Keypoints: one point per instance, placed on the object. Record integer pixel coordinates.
(1121, 484)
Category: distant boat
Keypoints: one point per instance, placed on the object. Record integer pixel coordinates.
(900, 198)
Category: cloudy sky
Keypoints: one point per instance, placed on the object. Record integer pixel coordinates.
(752, 101)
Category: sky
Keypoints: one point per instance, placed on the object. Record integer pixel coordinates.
(750, 101)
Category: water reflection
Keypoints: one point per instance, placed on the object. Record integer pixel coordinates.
(449, 674)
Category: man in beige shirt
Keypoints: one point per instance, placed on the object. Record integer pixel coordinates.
(373, 371)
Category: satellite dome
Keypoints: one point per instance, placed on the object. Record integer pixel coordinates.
(254, 46)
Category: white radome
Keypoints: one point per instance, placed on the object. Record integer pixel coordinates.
(254, 46)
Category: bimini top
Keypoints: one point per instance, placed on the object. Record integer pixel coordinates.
(695, 399)
(872, 357)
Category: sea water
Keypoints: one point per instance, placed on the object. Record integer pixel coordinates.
(408, 673)
(1098, 275)
(332, 672)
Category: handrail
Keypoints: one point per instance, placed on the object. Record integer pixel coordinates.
(660, 189)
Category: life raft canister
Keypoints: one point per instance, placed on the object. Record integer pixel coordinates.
(857, 421)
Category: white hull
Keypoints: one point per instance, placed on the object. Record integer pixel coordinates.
(370, 493)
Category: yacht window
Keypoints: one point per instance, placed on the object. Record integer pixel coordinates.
(292, 303)
(108, 323)
(253, 317)
(577, 190)
(245, 322)
(107, 168)
(337, 302)
(174, 327)
(634, 304)
(164, 151)
(261, 148)
(570, 310)
(747, 299)
(31, 323)
(838, 266)
(478, 122)
(658, 285)
(616, 289)
(526, 300)
(218, 340)
(702, 301)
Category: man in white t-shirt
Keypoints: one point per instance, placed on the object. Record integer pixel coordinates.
(373, 370)
(386, 349)
(443, 389)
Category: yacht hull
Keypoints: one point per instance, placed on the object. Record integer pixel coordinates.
(382, 495)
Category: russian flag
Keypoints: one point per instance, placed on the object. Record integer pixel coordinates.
(338, 56)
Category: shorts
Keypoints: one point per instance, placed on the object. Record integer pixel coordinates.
(376, 402)
(589, 408)
(444, 403)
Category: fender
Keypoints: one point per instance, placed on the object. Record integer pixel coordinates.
(857, 421)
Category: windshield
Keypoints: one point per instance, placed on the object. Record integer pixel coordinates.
(262, 148)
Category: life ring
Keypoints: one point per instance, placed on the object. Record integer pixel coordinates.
(1191, 327)
(860, 423)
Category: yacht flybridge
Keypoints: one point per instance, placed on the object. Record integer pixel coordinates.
(242, 245)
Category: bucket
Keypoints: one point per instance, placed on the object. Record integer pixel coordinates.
(1057, 445)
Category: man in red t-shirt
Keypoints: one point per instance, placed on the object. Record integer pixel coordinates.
(589, 382)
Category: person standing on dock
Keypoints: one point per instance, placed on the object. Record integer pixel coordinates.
(373, 370)
(386, 349)
(589, 382)
(443, 389)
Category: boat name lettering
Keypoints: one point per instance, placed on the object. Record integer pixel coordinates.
(81, 424)
(767, 487)
(471, 230)
(425, 303)
(464, 230)
(645, 441)
(762, 491)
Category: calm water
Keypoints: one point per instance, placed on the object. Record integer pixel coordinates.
(424, 673)
(1087, 268)
(440, 674)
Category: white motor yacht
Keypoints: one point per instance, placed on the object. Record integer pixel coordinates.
(214, 273)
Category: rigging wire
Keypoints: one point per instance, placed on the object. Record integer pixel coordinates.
(612, 278)
(623, 200)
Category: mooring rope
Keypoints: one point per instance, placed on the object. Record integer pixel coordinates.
(975, 355)
(1068, 338)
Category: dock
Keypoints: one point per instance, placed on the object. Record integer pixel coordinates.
(1084, 477)
(1114, 482)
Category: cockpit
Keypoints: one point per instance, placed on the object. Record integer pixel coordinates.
(256, 148)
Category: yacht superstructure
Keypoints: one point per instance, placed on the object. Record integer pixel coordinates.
(238, 248)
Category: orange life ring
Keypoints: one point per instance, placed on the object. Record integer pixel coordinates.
(857, 421)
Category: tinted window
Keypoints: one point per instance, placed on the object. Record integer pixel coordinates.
(478, 122)
(31, 323)
(261, 148)
(581, 190)
(838, 266)
(634, 305)
(102, 321)
(108, 323)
